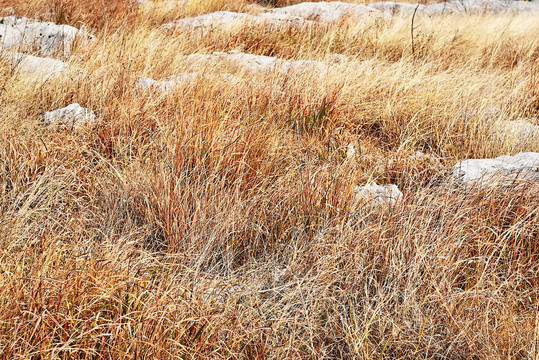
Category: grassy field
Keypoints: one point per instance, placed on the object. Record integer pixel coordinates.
(219, 221)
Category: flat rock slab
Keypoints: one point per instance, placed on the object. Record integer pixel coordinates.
(230, 81)
(230, 18)
(512, 133)
(72, 115)
(328, 12)
(254, 63)
(495, 6)
(515, 133)
(462, 7)
(379, 194)
(524, 166)
(218, 18)
(43, 38)
(395, 8)
(144, 83)
(14, 20)
(309, 13)
(38, 68)
(180, 80)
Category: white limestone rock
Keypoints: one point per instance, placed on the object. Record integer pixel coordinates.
(524, 166)
(254, 63)
(35, 67)
(407, 9)
(229, 18)
(282, 19)
(72, 115)
(144, 83)
(380, 194)
(230, 81)
(219, 18)
(44, 38)
(461, 7)
(395, 8)
(518, 132)
(176, 81)
(249, 62)
(328, 12)
(14, 20)
(512, 133)
(499, 6)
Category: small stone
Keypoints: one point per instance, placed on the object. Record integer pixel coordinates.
(381, 194)
(218, 18)
(72, 115)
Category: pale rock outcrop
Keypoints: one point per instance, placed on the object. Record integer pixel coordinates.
(280, 19)
(395, 8)
(182, 80)
(328, 11)
(524, 166)
(14, 20)
(379, 194)
(72, 115)
(230, 18)
(498, 6)
(44, 38)
(218, 18)
(35, 67)
(515, 132)
(144, 83)
(307, 13)
(462, 7)
(173, 82)
(520, 132)
(254, 63)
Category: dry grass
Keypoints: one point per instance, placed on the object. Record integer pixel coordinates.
(219, 221)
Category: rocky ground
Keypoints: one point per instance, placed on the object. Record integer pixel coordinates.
(272, 179)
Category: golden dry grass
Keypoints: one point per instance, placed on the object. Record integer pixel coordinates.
(219, 221)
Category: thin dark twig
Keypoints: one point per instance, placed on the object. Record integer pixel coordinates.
(412, 28)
